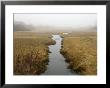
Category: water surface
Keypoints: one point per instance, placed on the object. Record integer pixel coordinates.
(57, 64)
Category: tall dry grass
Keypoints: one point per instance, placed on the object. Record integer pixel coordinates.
(30, 53)
(80, 52)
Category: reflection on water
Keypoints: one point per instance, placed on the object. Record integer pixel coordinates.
(57, 64)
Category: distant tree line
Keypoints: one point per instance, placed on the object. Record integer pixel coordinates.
(20, 26)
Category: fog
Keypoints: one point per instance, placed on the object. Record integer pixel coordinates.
(58, 20)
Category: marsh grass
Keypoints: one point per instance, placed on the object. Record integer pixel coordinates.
(31, 53)
(80, 51)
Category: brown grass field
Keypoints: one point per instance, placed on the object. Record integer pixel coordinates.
(80, 51)
(31, 52)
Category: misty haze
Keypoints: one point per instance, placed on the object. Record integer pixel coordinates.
(55, 44)
(55, 22)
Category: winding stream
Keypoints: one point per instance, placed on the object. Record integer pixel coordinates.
(57, 64)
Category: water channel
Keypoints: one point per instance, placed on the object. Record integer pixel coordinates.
(57, 64)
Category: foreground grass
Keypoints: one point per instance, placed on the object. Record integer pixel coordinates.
(80, 51)
(31, 52)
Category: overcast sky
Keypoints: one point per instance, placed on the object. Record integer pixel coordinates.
(62, 20)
